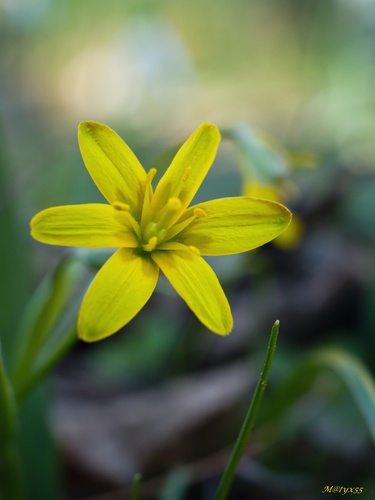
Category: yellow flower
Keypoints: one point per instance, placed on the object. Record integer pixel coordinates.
(155, 230)
(290, 238)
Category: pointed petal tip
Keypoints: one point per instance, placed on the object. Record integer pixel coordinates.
(288, 214)
(229, 326)
(284, 211)
(93, 335)
(210, 127)
(33, 227)
(223, 327)
(91, 128)
(86, 338)
(225, 332)
(88, 126)
(33, 233)
(82, 337)
(85, 125)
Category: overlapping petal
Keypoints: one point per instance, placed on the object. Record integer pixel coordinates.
(120, 289)
(90, 225)
(195, 281)
(112, 165)
(187, 170)
(234, 225)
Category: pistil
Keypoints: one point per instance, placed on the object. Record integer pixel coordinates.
(147, 196)
(168, 212)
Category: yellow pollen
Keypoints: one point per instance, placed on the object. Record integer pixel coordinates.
(199, 212)
(186, 174)
(174, 204)
(122, 207)
(151, 245)
(151, 174)
(194, 250)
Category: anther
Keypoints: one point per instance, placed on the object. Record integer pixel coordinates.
(122, 207)
(186, 174)
(151, 174)
(151, 245)
(174, 204)
(199, 212)
(124, 216)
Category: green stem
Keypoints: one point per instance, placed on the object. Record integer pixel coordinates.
(11, 485)
(247, 426)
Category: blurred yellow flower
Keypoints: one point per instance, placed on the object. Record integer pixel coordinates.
(265, 167)
(290, 238)
(155, 230)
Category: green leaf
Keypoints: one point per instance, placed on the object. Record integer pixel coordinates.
(14, 282)
(46, 328)
(357, 379)
(176, 484)
(11, 484)
(259, 160)
(38, 451)
(347, 367)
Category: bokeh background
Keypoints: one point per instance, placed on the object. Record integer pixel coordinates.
(165, 397)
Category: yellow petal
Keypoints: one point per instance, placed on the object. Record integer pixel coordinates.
(119, 291)
(234, 225)
(112, 165)
(197, 284)
(256, 190)
(187, 170)
(91, 225)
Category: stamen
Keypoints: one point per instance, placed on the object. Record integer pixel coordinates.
(151, 245)
(125, 217)
(174, 204)
(121, 207)
(151, 174)
(199, 212)
(177, 228)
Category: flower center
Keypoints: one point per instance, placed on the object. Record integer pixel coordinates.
(155, 232)
(151, 232)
